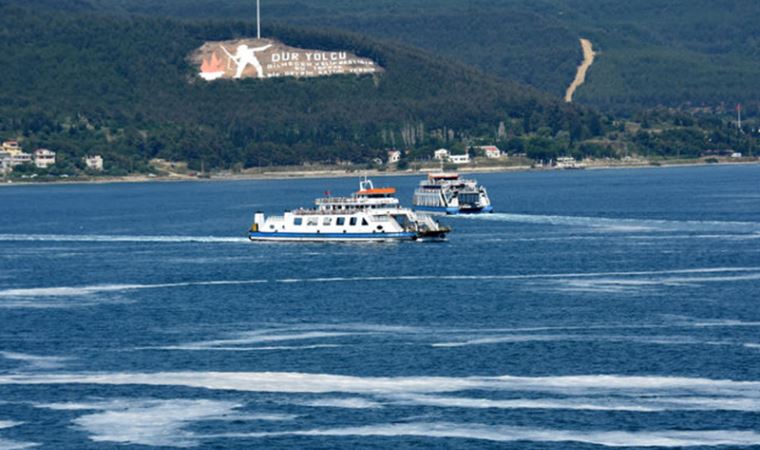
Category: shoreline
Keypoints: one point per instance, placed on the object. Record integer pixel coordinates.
(374, 173)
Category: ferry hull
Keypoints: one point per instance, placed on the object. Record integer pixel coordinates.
(331, 237)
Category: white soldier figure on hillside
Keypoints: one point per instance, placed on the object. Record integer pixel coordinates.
(245, 56)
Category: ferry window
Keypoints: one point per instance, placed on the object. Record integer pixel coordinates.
(379, 227)
(327, 221)
(352, 222)
(340, 221)
(313, 222)
(364, 221)
(298, 221)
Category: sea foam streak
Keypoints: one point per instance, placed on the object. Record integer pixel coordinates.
(644, 273)
(517, 338)
(77, 291)
(259, 337)
(238, 341)
(730, 274)
(158, 423)
(628, 285)
(13, 445)
(153, 422)
(36, 362)
(293, 382)
(659, 438)
(340, 402)
(633, 404)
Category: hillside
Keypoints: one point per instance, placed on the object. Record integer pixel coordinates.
(84, 82)
(712, 46)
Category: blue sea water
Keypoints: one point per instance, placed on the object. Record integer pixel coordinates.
(610, 308)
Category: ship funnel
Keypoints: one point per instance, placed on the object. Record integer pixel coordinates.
(258, 218)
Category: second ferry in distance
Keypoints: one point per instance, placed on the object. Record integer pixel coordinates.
(369, 215)
(447, 193)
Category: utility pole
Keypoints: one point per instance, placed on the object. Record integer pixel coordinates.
(258, 19)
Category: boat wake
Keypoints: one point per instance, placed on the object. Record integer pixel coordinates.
(622, 225)
(121, 238)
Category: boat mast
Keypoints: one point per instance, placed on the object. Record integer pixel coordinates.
(258, 19)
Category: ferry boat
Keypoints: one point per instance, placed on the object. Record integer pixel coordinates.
(569, 163)
(371, 214)
(447, 193)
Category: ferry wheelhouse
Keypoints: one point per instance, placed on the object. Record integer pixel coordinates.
(447, 193)
(371, 214)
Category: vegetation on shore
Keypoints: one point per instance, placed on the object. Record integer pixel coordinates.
(83, 82)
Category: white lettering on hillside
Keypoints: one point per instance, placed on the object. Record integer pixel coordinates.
(273, 59)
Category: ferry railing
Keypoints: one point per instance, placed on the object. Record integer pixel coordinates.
(354, 200)
(347, 211)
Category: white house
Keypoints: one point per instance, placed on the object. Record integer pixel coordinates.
(460, 159)
(394, 156)
(94, 162)
(736, 155)
(43, 158)
(20, 158)
(441, 154)
(491, 151)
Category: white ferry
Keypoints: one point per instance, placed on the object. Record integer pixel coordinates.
(371, 214)
(570, 163)
(446, 193)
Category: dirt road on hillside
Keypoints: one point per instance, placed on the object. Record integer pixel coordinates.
(580, 76)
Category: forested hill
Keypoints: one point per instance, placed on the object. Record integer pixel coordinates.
(682, 53)
(86, 82)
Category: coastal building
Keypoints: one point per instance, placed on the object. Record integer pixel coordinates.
(394, 156)
(94, 162)
(11, 147)
(441, 154)
(43, 158)
(460, 159)
(12, 156)
(5, 163)
(491, 151)
(15, 159)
